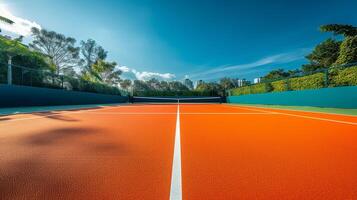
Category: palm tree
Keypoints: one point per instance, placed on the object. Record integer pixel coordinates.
(6, 20)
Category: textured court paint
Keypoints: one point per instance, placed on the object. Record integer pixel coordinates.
(176, 180)
(267, 156)
(75, 155)
(338, 97)
(21, 96)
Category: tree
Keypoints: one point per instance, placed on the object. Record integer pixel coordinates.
(325, 54)
(188, 83)
(177, 86)
(348, 51)
(340, 29)
(294, 72)
(212, 89)
(61, 49)
(125, 84)
(275, 74)
(105, 72)
(226, 83)
(154, 84)
(91, 53)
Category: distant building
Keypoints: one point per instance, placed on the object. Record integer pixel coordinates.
(241, 82)
(256, 80)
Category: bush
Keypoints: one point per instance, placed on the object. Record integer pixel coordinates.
(252, 89)
(344, 77)
(240, 91)
(348, 51)
(279, 86)
(260, 88)
(314, 81)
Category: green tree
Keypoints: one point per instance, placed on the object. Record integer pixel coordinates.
(91, 53)
(61, 49)
(226, 83)
(348, 51)
(154, 84)
(211, 88)
(177, 86)
(188, 83)
(276, 74)
(21, 55)
(325, 54)
(105, 72)
(125, 84)
(340, 29)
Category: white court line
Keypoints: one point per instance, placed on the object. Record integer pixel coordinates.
(297, 110)
(295, 115)
(318, 118)
(176, 179)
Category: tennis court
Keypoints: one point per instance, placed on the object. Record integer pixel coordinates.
(178, 150)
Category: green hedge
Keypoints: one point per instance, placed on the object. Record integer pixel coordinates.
(314, 81)
(299, 83)
(279, 86)
(240, 91)
(252, 89)
(77, 84)
(344, 77)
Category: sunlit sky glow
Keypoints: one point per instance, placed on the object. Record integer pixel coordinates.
(196, 39)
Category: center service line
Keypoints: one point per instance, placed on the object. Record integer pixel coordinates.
(176, 180)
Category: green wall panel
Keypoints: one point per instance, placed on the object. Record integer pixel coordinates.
(338, 97)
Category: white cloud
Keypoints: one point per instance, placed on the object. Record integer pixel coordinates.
(274, 59)
(20, 26)
(149, 75)
(124, 69)
(144, 75)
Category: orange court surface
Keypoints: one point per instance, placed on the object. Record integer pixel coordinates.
(178, 151)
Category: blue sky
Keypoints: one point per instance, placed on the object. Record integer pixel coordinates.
(202, 39)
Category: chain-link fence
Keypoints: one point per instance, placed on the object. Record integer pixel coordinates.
(344, 75)
(46, 78)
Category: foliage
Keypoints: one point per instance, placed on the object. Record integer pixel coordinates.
(260, 88)
(240, 91)
(105, 72)
(314, 81)
(80, 84)
(344, 77)
(6, 20)
(340, 29)
(279, 86)
(188, 83)
(324, 54)
(276, 74)
(348, 51)
(91, 53)
(22, 56)
(125, 84)
(214, 89)
(226, 83)
(252, 89)
(61, 49)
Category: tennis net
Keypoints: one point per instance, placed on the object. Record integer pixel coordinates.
(176, 100)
